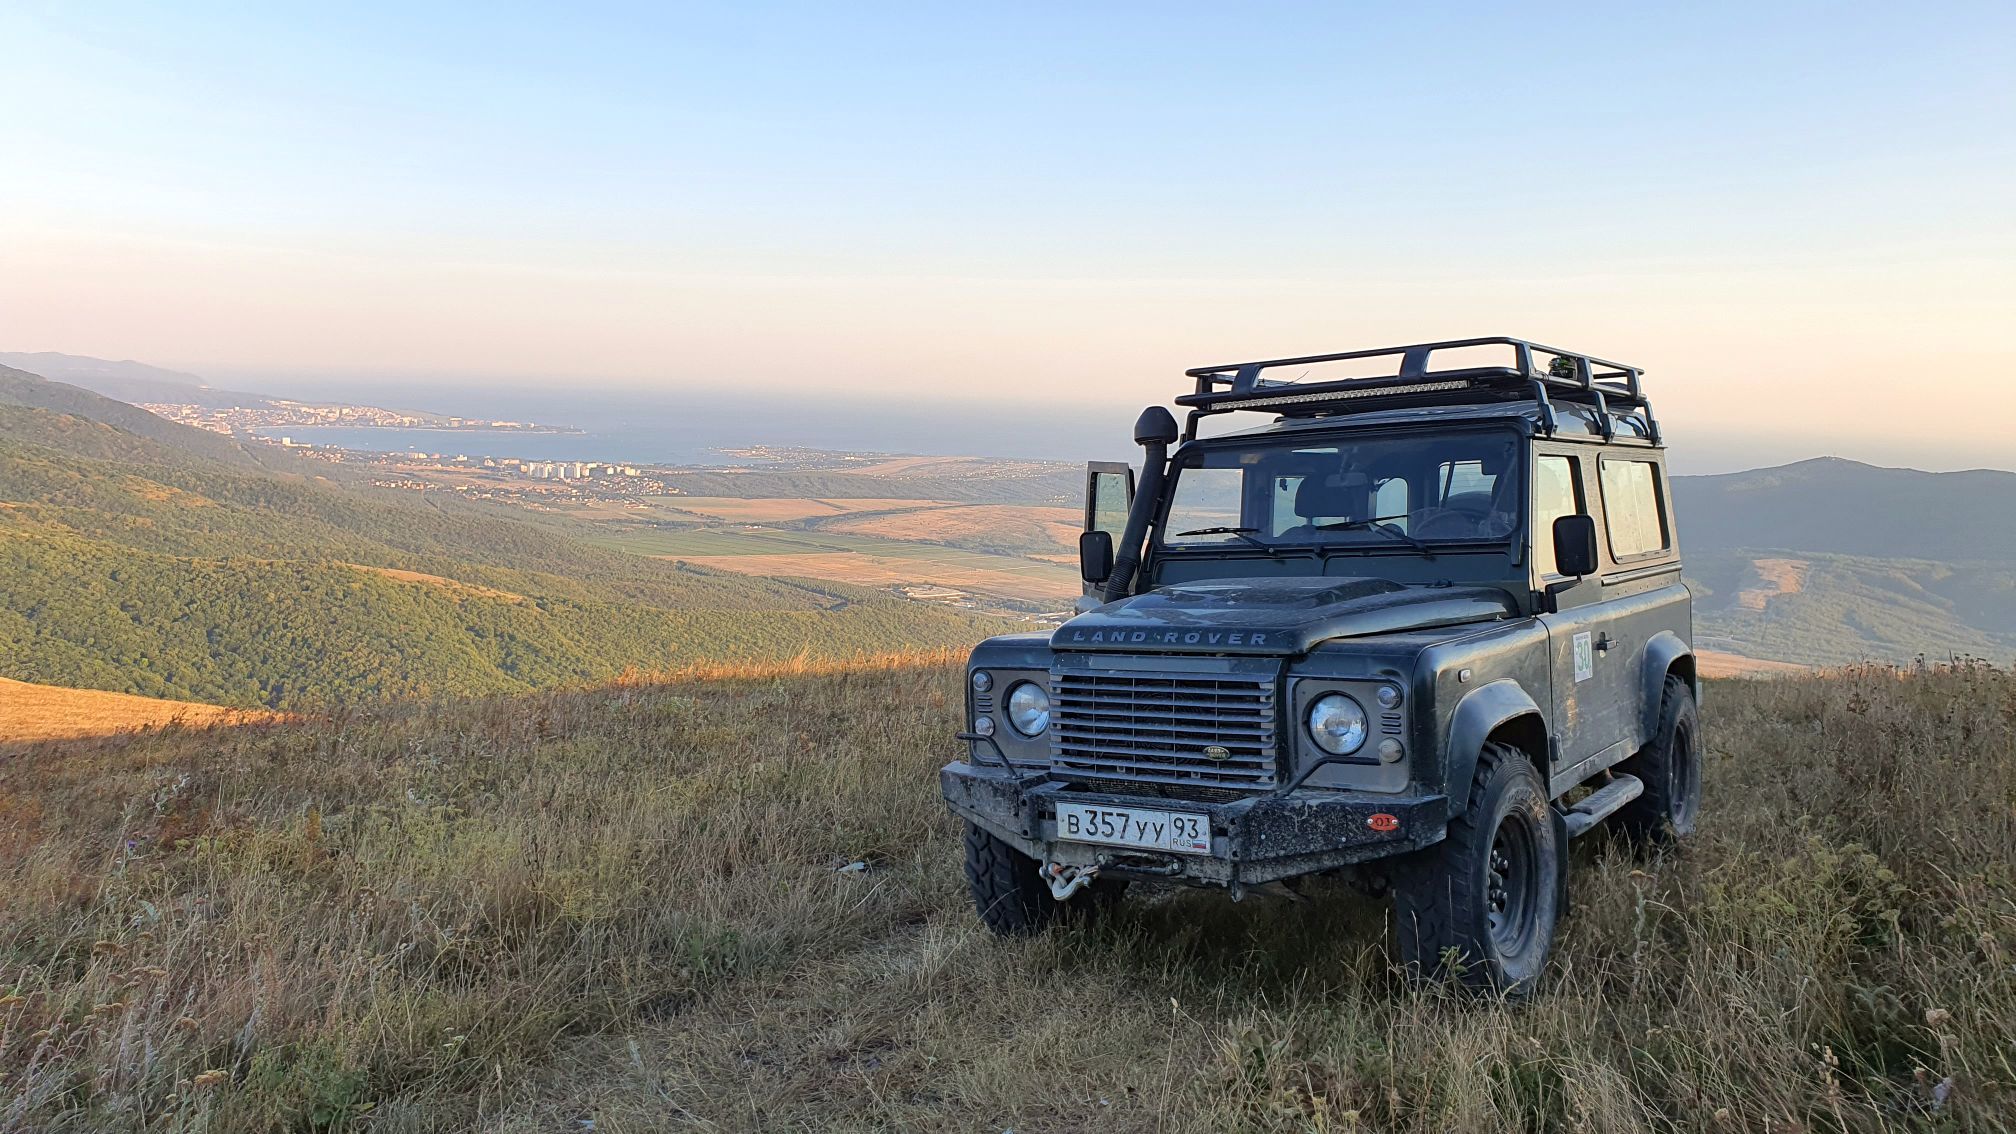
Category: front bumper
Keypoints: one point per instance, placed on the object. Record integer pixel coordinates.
(1255, 839)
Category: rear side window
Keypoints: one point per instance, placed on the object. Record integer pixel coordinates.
(1631, 509)
(1557, 492)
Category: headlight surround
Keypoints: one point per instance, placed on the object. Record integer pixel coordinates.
(1337, 724)
(1029, 708)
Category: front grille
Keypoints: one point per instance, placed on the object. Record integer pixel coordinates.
(1155, 728)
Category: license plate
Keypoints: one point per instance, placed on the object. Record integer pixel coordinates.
(1179, 831)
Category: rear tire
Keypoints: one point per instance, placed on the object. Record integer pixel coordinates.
(1670, 768)
(1482, 904)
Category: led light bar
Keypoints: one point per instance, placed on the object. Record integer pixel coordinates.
(1341, 395)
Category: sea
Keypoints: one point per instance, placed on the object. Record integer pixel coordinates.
(638, 427)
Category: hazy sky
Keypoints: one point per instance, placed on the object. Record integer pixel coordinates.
(1799, 218)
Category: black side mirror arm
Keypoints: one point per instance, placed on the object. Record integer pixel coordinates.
(1550, 598)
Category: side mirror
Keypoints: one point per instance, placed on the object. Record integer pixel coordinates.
(1095, 556)
(1575, 545)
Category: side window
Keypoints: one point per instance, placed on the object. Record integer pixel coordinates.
(1106, 501)
(1557, 492)
(1631, 508)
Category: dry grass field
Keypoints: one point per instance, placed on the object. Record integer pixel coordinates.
(621, 906)
(1003, 524)
(1771, 578)
(427, 580)
(1039, 581)
(770, 510)
(1715, 664)
(46, 712)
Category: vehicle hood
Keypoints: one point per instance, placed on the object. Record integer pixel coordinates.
(1274, 616)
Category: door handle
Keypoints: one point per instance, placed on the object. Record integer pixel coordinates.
(1603, 644)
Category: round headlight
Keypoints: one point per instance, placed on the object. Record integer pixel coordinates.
(1029, 708)
(1337, 724)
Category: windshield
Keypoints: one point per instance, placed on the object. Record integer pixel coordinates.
(1406, 492)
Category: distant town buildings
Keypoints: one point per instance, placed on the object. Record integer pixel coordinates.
(272, 413)
(573, 470)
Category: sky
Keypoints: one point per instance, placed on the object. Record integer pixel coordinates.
(1796, 217)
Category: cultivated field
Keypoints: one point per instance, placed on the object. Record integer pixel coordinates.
(1714, 663)
(761, 510)
(993, 525)
(850, 557)
(1031, 581)
(623, 906)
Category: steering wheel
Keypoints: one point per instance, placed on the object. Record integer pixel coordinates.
(1460, 515)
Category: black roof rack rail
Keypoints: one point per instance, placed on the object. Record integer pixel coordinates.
(1568, 376)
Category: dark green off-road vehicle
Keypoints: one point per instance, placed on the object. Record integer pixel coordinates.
(1423, 628)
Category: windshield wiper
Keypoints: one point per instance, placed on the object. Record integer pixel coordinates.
(1243, 533)
(1384, 526)
(1351, 525)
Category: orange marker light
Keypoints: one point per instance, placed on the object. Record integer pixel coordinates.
(1383, 822)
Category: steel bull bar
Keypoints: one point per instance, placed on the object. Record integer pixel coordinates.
(1254, 839)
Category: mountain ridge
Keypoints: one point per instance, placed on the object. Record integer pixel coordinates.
(127, 380)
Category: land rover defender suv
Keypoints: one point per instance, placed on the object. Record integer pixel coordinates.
(1422, 627)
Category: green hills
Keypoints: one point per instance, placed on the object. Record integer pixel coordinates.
(1831, 562)
(140, 556)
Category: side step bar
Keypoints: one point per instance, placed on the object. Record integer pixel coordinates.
(1602, 803)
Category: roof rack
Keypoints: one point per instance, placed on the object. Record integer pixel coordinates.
(1568, 376)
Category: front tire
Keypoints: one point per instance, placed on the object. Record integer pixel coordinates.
(1010, 895)
(1670, 767)
(1482, 904)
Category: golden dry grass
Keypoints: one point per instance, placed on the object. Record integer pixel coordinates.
(438, 581)
(1038, 582)
(620, 906)
(756, 510)
(1715, 664)
(46, 712)
(1006, 524)
(1773, 577)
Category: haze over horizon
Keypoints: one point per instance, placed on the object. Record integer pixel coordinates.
(1795, 219)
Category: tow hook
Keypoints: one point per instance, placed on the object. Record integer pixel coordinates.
(1067, 880)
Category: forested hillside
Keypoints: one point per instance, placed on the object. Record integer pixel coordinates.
(144, 564)
(1829, 562)
(22, 390)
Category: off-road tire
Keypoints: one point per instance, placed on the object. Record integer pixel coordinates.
(1012, 899)
(1009, 896)
(1481, 905)
(1670, 768)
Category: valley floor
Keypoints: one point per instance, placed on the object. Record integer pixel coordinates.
(625, 907)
